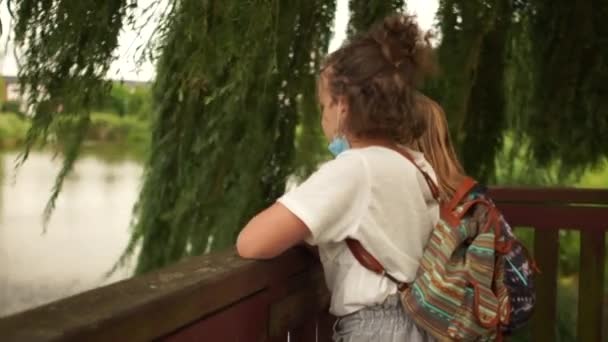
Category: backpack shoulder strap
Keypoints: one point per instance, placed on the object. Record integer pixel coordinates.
(463, 189)
(364, 257)
(431, 183)
(368, 261)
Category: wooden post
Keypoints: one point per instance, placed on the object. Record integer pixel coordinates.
(305, 332)
(325, 329)
(591, 286)
(546, 250)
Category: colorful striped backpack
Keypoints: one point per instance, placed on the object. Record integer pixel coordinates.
(475, 278)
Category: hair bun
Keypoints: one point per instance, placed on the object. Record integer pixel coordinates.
(405, 45)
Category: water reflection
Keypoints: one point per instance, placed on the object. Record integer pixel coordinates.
(86, 235)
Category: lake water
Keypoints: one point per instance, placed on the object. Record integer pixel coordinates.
(87, 233)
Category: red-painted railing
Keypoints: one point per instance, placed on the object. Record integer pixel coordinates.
(217, 297)
(548, 211)
(221, 297)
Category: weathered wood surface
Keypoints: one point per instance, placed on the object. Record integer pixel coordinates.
(546, 253)
(591, 286)
(221, 292)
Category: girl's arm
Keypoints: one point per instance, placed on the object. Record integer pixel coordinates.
(270, 233)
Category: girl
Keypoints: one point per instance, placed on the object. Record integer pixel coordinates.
(369, 192)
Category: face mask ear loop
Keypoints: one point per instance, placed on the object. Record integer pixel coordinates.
(339, 132)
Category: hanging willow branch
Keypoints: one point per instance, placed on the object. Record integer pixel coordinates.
(310, 143)
(67, 49)
(569, 58)
(230, 84)
(548, 58)
(471, 86)
(485, 122)
(364, 13)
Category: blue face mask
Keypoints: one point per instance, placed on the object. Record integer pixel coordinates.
(338, 145)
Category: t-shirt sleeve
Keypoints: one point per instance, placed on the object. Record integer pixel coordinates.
(331, 201)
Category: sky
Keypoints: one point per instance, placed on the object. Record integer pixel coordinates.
(126, 68)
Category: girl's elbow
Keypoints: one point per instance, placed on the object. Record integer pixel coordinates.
(243, 248)
(249, 249)
(248, 252)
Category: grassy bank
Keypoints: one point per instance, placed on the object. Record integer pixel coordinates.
(129, 132)
(12, 130)
(595, 178)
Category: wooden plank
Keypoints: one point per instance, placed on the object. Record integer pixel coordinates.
(307, 297)
(546, 249)
(549, 195)
(554, 216)
(305, 332)
(152, 305)
(243, 321)
(591, 286)
(325, 328)
(319, 329)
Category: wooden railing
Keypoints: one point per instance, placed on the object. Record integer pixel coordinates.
(221, 297)
(548, 211)
(218, 297)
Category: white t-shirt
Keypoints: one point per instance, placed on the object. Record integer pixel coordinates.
(378, 197)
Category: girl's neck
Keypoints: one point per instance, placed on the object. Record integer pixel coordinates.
(366, 142)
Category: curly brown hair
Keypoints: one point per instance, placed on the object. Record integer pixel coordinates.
(377, 73)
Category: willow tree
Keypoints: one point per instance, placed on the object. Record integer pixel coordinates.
(234, 96)
(556, 80)
(569, 56)
(233, 80)
(229, 85)
(365, 13)
(529, 69)
(472, 60)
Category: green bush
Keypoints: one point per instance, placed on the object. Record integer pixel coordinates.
(140, 102)
(11, 107)
(12, 129)
(123, 100)
(107, 127)
(597, 177)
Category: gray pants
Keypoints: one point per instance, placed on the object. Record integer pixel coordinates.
(386, 322)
